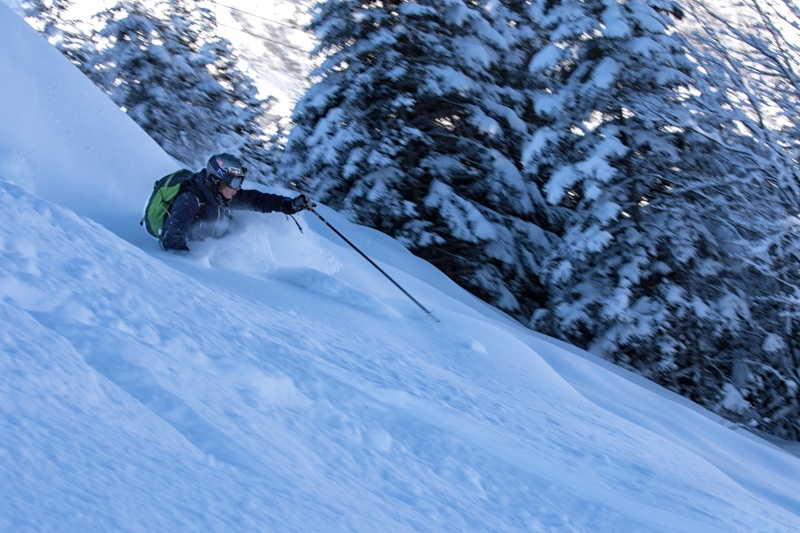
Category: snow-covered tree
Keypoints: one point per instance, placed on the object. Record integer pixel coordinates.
(47, 16)
(170, 71)
(411, 128)
(651, 271)
(176, 79)
(50, 18)
(752, 55)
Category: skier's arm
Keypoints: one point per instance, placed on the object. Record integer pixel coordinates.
(252, 200)
(176, 228)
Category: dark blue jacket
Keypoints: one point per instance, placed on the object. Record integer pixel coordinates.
(198, 212)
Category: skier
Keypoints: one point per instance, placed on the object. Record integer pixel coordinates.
(202, 210)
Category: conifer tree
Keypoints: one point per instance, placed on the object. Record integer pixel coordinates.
(47, 16)
(167, 68)
(50, 18)
(649, 271)
(176, 79)
(407, 130)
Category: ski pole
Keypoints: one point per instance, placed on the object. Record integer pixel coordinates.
(345, 239)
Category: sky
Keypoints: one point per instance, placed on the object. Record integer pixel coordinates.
(274, 380)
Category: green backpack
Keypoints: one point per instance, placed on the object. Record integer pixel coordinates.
(165, 191)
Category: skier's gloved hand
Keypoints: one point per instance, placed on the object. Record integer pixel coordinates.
(291, 206)
(302, 201)
(175, 246)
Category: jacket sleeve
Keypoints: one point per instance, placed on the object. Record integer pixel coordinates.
(176, 228)
(252, 200)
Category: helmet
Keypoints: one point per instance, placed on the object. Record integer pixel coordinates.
(227, 168)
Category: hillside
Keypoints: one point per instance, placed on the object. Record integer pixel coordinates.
(275, 381)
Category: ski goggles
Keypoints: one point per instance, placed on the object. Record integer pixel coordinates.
(235, 177)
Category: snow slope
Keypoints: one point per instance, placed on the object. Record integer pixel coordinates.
(275, 381)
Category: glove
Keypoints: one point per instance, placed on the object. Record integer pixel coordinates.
(298, 203)
(302, 201)
(177, 247)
